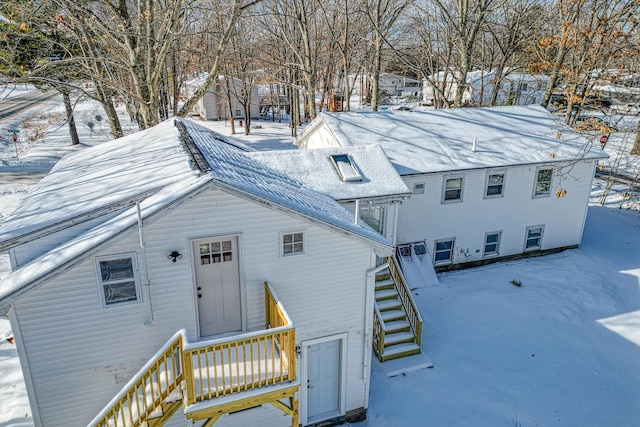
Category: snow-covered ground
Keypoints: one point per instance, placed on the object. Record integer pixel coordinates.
(562, 349)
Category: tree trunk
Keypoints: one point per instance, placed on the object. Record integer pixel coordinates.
(635, 150)
(73, 132)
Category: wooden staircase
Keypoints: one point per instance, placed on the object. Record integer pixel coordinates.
(397, 321)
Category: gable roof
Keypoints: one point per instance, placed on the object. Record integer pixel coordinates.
(228, 168)
(442, 140)
(98, 180)
(314, 167)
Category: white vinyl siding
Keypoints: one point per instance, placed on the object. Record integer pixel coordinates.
(426, 217)
(98, 350)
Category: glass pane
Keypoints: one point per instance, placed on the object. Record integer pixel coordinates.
(287, 249)
(215, 247)
(494, 190)
(204, 248)
(204, 259)
(443, 256)
(297, 237)
(227, 256)
(452, 194)
(496, 179)
(490, 248)
(120, 292)
(492, 238)
(287, 238)
(226, 245)
(535, 232)
(297, 247)
(544, 174)
(454, 183)
(440, 246)
(116, 269)
(215, 258)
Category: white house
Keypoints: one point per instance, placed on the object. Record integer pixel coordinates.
(514, 89)
(487, 183)
(214, 105)
(171, 276)
(392, 84)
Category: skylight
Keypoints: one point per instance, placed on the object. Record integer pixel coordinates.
(346, 168)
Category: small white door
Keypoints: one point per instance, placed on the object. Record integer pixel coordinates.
(323, 380)
(218, 285)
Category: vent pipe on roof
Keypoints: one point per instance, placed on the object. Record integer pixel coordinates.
(474, 145)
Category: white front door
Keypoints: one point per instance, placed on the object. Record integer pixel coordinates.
(323, 380)
(218, 285)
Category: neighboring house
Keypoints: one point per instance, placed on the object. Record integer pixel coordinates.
(400, 86)
(392, 84)
(514, 89)
(214, 105)
(171, 275)
(488, 183)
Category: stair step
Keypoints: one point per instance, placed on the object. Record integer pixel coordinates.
(397, 338)
(386, 294)
(386, 283)
(400, 350)
(389, 304)
(391, 315)
(396, 326)
(384, 274)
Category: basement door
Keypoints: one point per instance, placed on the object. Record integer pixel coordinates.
(218, 285)
(323, 380)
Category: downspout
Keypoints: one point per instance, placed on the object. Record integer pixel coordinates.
(144, 262)
(357, 213)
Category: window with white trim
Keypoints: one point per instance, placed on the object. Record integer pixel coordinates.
(543, 182)
(495, 184)
(533, 240)
(443, 253)
(373, 216)
(292, 244)
(118, 279)
(492, 243)
(452, 191)
(418, 188)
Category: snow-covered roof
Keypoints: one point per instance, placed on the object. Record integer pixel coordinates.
(316, 170)
(108, 176)
(187, 158)
(442, 140)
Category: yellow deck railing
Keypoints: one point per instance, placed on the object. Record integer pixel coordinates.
(411, 309)
(209, 369)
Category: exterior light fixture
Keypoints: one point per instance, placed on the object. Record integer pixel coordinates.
(174, 256)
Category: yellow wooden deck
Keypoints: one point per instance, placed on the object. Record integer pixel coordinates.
(213, 377)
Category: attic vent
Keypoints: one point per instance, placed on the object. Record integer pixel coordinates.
(346, 168)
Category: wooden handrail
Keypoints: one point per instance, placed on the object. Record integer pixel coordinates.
(409, 305)
(208, 369)
(378, 332)
(147, 390)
